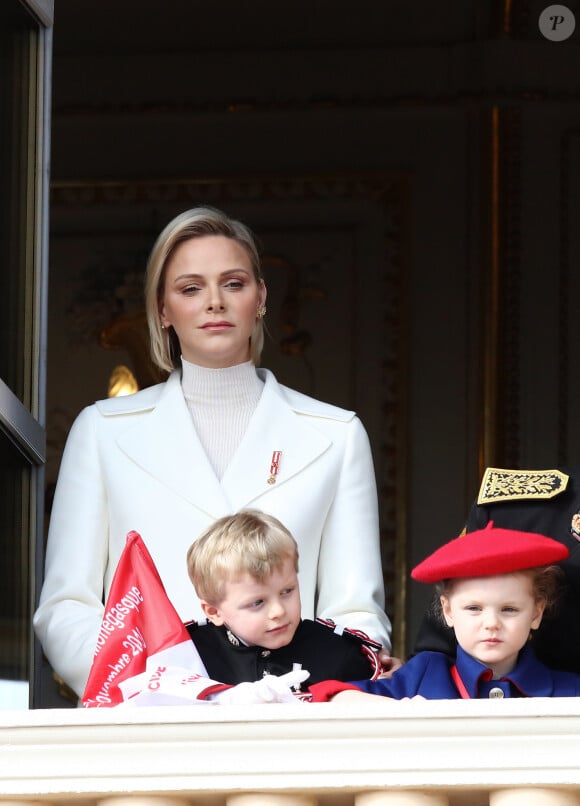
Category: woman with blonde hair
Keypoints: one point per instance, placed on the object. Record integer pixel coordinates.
(217, 436)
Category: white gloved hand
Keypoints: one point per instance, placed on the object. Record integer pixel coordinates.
(269, 689)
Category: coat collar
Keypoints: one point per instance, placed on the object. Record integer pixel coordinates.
(236, 644)
(529, 677)
(164, 443)
(274, 427)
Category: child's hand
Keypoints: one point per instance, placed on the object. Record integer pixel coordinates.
(388, 663)
(268, 689)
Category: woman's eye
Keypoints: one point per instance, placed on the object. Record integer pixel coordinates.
(235, 284)
(190, 289)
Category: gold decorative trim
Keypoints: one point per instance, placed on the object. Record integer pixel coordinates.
(520, 485)
(566, 303)
(500, 434)
(489, 431)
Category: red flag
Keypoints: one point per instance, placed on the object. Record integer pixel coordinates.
(139, 622)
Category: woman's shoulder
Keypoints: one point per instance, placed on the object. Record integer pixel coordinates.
(143, 400)
(304, 404)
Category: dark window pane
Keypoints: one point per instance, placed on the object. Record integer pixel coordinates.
(17, 195)
(15, 489)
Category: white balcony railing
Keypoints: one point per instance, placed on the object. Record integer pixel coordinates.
(520, 752)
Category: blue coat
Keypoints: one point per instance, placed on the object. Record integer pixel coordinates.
(429, 674)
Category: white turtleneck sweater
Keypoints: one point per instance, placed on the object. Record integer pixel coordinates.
(221, 403)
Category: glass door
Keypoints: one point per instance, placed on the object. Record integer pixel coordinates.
(25, 51)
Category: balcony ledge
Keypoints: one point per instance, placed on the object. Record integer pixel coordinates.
(448, 746)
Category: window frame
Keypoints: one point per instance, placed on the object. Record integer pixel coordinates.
(24, 423)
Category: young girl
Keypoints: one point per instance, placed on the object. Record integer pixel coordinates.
(494, 587)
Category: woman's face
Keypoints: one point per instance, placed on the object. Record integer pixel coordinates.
(211, 298)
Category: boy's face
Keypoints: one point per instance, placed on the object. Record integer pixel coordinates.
(492, 617)
(265, 613)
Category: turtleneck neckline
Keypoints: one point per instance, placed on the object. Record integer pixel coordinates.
(237, 383)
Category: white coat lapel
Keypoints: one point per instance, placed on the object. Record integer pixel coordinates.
(274, 426)
(164, 444)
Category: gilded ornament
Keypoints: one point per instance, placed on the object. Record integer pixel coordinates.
(233, 639)
(520, 485)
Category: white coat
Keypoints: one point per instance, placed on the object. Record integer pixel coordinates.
(136, 463)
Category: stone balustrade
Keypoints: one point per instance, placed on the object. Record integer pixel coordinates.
(520, 752)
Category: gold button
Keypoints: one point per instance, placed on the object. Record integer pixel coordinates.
(496, 694)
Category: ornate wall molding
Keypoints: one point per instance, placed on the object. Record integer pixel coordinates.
(509, 436)
(567, 446)
(464, 98)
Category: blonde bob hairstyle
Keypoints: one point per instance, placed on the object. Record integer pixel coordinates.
(194, 223)
(249, 542)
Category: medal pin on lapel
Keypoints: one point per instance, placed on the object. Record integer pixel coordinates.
(274, 466)
(575, 526)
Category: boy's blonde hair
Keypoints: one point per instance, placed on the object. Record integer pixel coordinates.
(248, 542)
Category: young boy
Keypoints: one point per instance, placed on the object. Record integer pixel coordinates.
(244, 570)
(494, 587)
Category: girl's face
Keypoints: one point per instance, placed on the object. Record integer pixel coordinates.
(211, 298)
(492, 617)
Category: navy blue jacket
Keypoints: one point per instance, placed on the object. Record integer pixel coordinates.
(429, 674)
(319, 646)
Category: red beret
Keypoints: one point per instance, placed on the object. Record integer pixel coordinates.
(488, 552)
